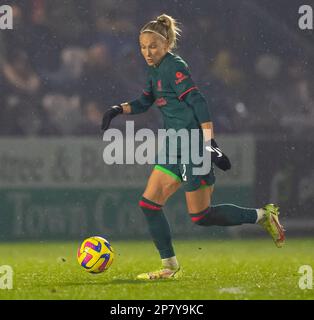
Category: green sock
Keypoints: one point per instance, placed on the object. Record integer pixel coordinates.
(158, 227)
(225, 215)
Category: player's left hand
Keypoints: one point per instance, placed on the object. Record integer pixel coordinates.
(217, 156)
(111, 113)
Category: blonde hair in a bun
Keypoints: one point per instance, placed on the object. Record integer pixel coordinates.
(165, 26)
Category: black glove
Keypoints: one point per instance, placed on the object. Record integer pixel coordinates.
(217, 156)
(111, 113)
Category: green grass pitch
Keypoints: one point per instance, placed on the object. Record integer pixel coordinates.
(212, 269)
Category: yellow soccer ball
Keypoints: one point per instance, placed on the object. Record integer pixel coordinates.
(95, 254)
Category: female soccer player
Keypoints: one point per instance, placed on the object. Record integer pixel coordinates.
(170, 87)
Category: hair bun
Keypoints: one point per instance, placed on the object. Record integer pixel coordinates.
(165, 20)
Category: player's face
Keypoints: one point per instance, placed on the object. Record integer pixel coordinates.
(153, 47)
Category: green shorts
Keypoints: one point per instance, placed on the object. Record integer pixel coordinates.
(183, 173)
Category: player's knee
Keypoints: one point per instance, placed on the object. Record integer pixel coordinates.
(169, 187)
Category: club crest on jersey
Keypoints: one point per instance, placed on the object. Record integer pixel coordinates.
(160, 102)
(159, 87)
(180, 77)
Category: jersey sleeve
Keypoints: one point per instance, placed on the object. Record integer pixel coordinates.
(146, 99)
(185, 88)
(181, 80)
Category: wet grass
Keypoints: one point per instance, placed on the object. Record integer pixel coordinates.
(226, 269)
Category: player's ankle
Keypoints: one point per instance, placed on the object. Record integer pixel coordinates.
(260, 215)
(170, 263)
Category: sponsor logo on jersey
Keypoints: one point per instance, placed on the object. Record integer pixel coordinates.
(160, 102)
(180, 77)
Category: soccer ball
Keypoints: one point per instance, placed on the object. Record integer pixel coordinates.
(95, 254)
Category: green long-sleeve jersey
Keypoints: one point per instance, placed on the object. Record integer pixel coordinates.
(170, 88)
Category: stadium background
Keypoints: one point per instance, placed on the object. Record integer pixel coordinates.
(64, 61)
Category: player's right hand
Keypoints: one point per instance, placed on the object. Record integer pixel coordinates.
(217, 156)
(111, 113)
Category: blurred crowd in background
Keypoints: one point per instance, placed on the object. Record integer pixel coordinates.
(65, 61)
